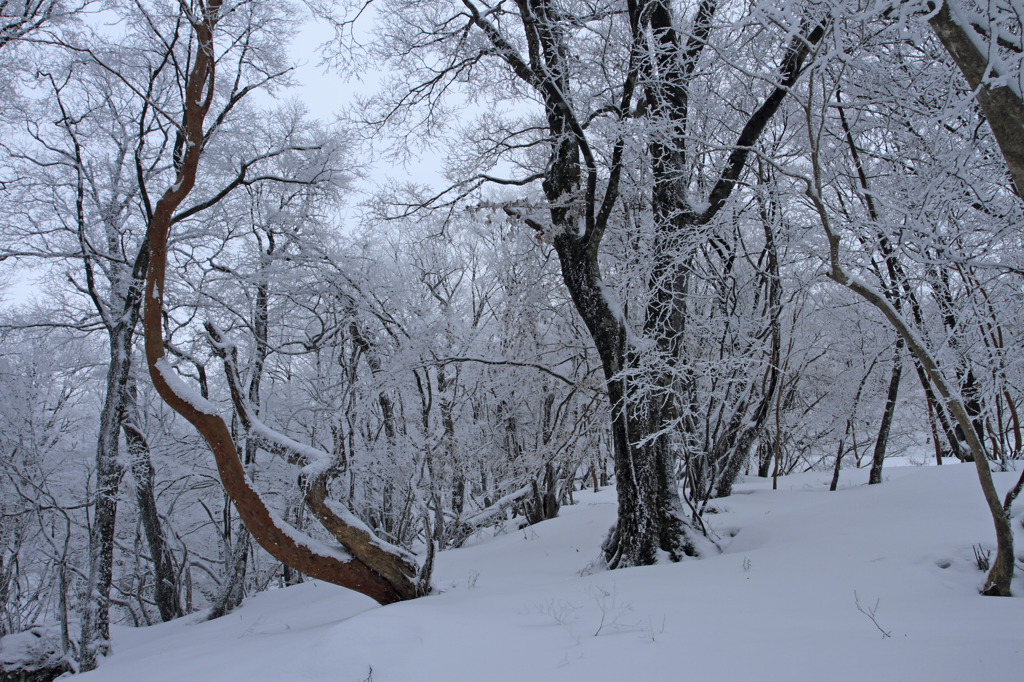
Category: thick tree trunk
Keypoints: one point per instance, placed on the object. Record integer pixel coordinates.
(543, 503)
(1003, 109)
(121, 320)
(648, 500)
(678, 221)
(259, 325)
(642, 416)
(650, 512)
(446, 387)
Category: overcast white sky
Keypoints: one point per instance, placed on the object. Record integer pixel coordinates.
(324, 93)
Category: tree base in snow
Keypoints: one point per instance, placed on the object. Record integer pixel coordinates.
(673, 539)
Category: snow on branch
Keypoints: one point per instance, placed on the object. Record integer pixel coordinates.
(395, 564)
(391, 578)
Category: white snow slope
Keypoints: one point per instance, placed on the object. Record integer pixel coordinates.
(777, 604)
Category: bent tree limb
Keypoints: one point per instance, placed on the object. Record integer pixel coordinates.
(1001, 574)
(392, 563)
(283, 542)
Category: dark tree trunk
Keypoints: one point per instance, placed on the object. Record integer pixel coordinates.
(1003, 109)
(95, 640)
(650, 510)
(878, 455)
(120, 316)
(838, 465)
(544, 503)
(765, 452)
(446, 387)
(678, 222)
(166, 589)
(260, 331)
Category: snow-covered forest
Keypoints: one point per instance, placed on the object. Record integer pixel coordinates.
(614, 339)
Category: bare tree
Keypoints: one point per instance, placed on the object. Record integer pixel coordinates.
(963, 249)
(597, 125)
(82, 179)
(119, 134)
(19, 19)
(373, 567)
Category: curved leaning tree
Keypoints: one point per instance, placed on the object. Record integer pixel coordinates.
(986, 44)
(362, 562)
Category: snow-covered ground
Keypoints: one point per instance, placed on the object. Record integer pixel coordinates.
(777, 604)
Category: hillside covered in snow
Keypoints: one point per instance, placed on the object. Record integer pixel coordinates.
(869, 582)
